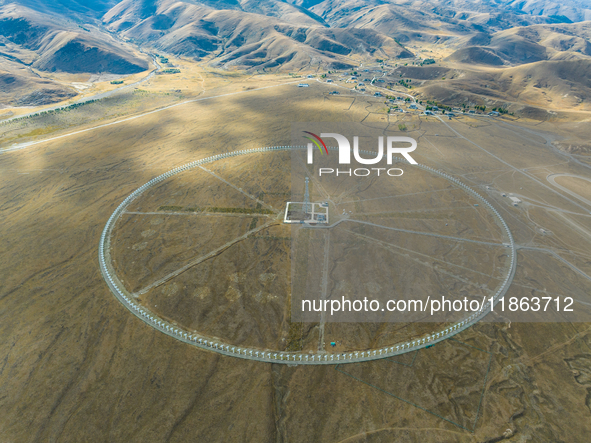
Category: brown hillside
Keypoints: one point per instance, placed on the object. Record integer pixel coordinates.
(20, 87)
(52, 44)
(245, 40)
(476, 55)
(553, 85)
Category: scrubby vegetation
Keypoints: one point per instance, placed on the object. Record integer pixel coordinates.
(50, 111)
(215, 209)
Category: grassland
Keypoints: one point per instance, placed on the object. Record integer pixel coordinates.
(79, 367)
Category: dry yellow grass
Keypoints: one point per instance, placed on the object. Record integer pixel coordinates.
(78, 367)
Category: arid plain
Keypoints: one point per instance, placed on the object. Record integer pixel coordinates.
(79, 367)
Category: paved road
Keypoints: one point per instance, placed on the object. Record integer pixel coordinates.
(20, 146)
(521, 171)
(203, 258)
(554, 254)
(98, 96)
(408, 231)
(551, 178)
(324, 295)
(548, 140)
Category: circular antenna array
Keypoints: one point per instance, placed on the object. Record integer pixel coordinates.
(194, 338)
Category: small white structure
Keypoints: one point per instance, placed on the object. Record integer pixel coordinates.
(303, 85)
(515, 200)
